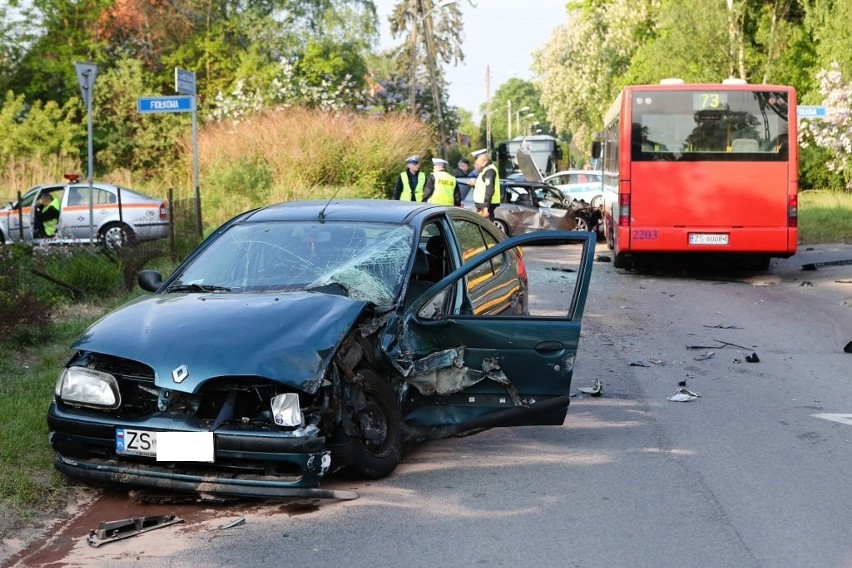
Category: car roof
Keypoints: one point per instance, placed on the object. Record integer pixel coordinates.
(368, 210)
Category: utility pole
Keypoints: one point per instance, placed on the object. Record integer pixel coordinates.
(412, 82)
(488, 109)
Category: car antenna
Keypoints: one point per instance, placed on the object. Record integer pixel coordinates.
(322, 211)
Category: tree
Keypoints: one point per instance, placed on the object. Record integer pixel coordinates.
(508, 99)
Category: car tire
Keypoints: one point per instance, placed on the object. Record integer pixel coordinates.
(596, 201)
(377, 450)
(581, 224)
(504, 228)
(115, 236)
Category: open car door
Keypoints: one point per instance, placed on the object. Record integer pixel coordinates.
(466, 368)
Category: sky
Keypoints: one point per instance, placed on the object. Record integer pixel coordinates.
(501, 34)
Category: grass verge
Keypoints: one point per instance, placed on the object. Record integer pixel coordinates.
(825, 217)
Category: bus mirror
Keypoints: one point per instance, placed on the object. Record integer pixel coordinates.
(596, 150)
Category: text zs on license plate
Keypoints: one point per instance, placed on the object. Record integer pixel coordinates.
(135, 442)
(708, 238)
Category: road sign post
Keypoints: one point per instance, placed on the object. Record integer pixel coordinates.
(86, 75)
(186, 102)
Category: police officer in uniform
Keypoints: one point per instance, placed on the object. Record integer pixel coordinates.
(410, 183)
(46, 216)
(486, 190)
(441, 187)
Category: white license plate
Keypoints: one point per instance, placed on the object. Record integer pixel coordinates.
(708, 238)
(135, 442)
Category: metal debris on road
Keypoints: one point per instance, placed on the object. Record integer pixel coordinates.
(722, 346)
(234, 523)
(848, 348)
(111, 531)
(815, 265)
(806, 283)
(684, 395)
(595, 390)
(705, 356)
(639, 364)
(721, 326)
(753, 358)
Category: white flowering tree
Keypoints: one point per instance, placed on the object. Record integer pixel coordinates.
(834, 132)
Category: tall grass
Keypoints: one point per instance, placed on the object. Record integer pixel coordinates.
(20, 174)
(825, 217)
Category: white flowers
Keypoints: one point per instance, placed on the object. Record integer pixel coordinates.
(834, 132)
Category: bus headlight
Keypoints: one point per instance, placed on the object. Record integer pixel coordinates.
(80, 386)
(286, 410)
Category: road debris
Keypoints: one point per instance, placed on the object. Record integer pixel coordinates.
(602, 258)
(721, 326)
(234, 523)
(595, 390)
(684, 395)
(705, 356)
(722, 346)
(848, 348)
(815, 265)
(843, 281)
(806, 283)
(639, 364)
(560, 269)
(753, 358)
(111, 531)
(656, 361)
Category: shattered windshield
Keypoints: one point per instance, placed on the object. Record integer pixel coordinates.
(363, 261)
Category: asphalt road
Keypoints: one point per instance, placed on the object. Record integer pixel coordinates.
(754, 473)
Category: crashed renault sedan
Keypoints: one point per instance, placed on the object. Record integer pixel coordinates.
(306, 337)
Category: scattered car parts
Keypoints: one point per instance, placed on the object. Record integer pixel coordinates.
(111, 531)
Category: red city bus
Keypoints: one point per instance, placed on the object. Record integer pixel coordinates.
(701, 168)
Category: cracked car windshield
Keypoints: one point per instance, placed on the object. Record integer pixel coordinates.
(363, 261)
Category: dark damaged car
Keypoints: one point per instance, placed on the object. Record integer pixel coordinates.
(303, 338)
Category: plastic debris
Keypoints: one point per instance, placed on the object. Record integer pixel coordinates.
(111, 531)
(602, 258)
(848, 348)
(684, 395)
(721, 326)
(705, 356)
(639, 364)
(595, 390)
(815, 265)
(656, 361)
(806, 283)
(234, 523)
(560, 269)
(753, 358)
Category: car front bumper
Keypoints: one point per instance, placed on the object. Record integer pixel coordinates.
(247, 463)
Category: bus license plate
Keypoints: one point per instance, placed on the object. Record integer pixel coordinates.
(135, 442)
(708, 238)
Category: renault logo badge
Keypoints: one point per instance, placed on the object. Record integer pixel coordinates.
(180, 373)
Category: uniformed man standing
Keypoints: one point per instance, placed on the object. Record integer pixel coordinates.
(486, 190)
(410, 183)
(441, 187)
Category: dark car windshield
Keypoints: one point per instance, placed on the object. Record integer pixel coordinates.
(365, 261)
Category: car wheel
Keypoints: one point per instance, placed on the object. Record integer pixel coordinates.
(377, 449)
(596, 201)
(581, 224)
(500, 224)
(115, 236)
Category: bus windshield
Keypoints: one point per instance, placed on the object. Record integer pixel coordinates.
(711, 125)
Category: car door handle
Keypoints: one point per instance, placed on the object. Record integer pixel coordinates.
(549, 347)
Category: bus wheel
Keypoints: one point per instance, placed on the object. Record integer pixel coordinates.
(608, 235)
(620, 261)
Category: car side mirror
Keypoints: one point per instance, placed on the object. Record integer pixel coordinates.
(150, 280)
(596, 150)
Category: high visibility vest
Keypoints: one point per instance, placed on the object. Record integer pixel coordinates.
(445, 187)
(479, 186)
(51, 224)
(406, 187)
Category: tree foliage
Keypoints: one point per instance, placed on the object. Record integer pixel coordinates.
(509, 98)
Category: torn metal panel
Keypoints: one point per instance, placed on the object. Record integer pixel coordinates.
(110, 531)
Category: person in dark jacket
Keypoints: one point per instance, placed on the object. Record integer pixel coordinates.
(46, 220)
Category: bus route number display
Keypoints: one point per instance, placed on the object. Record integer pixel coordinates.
(709, 101)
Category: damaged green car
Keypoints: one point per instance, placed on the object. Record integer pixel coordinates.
(306, 337)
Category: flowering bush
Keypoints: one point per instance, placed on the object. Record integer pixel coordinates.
(834, 132)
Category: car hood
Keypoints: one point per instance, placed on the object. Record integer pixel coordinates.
(527, 165)
(287, 337)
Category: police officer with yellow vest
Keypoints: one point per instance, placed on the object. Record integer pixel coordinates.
(486, 190)
(410, 183)
(441, 187)
(46, 216)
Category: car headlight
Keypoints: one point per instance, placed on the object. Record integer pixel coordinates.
(80, 386)
(286, 410)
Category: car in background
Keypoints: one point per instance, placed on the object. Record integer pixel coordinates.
(305, 337)
(529, 206)
(579, 185)
(120, 216)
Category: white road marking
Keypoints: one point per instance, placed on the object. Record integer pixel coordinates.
(842, 418)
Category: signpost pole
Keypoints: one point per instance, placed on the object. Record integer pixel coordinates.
(86, 74)
(198, 228)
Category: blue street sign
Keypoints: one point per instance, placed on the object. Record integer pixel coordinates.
(805, 111)
(164, 104)
(184, 81)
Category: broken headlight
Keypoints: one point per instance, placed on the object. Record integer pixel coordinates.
(286, 410)
(80, 386)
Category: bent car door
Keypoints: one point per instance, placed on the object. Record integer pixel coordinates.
(471, 368)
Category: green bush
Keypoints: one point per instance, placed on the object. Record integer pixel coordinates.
(84, 269)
